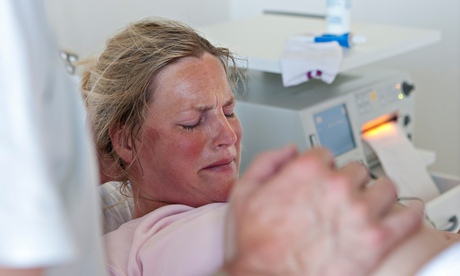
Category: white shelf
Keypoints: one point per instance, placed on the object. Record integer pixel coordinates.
(261, 39)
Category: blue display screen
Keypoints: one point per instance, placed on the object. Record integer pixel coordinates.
(334, 130)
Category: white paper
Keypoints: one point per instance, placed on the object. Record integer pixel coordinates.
(401, 162)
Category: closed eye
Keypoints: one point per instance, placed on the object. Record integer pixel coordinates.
(191, 127)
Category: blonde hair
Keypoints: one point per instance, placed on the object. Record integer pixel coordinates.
(118, 85)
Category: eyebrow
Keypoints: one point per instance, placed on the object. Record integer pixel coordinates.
(206, 108)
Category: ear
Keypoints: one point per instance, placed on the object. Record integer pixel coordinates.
(121, 142)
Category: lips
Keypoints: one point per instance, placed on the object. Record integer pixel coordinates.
(220, 163)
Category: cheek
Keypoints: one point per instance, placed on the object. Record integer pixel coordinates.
(188, 146)
(184, 150)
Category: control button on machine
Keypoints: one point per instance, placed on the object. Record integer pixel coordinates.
(407, 88)
(406, 120)
(313, 141)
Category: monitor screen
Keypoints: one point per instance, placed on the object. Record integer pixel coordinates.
(334, 130)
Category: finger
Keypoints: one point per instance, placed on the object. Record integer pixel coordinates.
(310, 168)
(401, 223)
(356, 173)
(260, 170)
(324, 155)
(266, 164)
(382, 194)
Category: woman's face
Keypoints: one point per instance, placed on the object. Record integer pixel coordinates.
(189, 151)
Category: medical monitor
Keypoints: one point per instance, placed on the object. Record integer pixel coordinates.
(334, 129)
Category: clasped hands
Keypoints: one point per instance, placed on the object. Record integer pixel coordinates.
(297, 214)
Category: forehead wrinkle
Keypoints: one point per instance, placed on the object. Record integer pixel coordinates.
(204, 107)
(192, 91)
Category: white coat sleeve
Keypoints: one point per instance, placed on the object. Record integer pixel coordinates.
(445, 263)
(49, 210)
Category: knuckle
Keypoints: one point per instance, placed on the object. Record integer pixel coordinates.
(309, 164)
(390, 186)
(341, 184)
(361, 210)
(361, 170)
(377, 237)
(310, 161)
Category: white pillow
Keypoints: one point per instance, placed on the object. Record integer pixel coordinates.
(116, 207)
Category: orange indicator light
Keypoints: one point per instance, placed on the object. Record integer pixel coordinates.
(373, 95)
(384, 129)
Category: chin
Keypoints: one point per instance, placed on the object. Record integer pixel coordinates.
(224, 193)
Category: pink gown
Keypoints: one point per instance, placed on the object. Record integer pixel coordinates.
(172, 240)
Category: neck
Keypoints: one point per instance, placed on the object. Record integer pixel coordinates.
(144, 206)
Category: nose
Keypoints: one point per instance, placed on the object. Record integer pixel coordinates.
(225, 135)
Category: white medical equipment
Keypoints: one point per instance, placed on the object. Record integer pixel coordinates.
(317, 114)
(335, 116)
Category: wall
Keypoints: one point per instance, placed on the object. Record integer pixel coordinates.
(435, 69)
(243, 8)
(82, 26)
